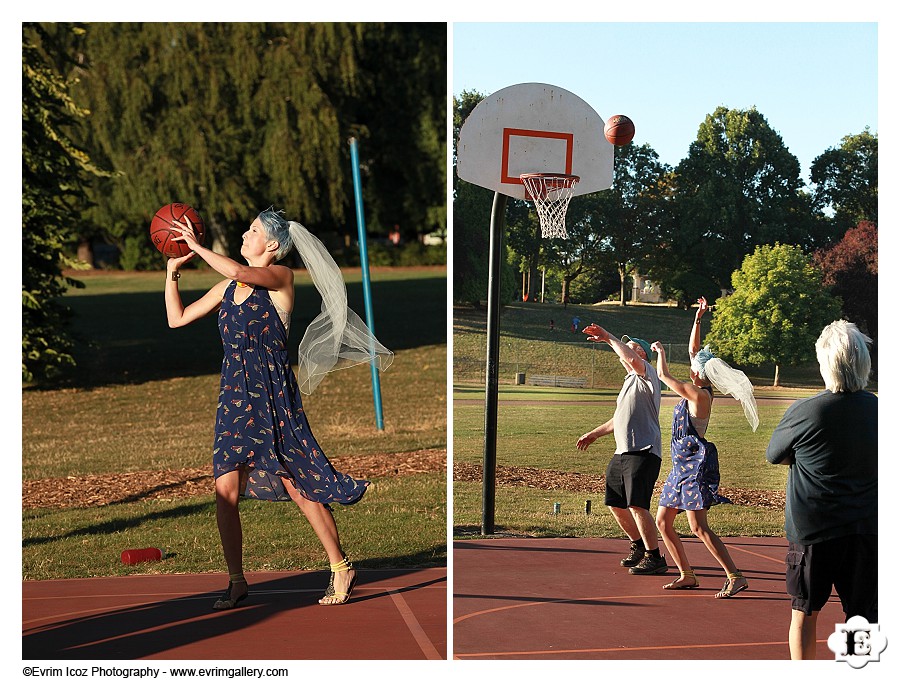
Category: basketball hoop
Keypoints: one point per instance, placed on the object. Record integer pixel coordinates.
(550, 193)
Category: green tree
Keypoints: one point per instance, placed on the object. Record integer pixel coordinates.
(406, 121)
(472, 207)
(846, 182)
(524, 242)
(585, 252)
(738, 188)
(632, 214)
(612, 231)
(53, 169)
(777, 311)
(233, 117)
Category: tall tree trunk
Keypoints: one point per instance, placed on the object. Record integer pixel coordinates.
(622, 277)
(85, 252)
(533, 277)
(777, 374)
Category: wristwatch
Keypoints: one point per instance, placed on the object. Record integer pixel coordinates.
(176, 275)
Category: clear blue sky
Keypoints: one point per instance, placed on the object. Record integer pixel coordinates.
(813, 82)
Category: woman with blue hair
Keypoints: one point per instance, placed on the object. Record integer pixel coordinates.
(693, 484)
(263, 446)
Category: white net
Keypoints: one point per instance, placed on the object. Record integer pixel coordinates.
(551, 194)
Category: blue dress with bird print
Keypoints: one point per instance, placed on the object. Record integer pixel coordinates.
(260, 423)
(693, 483)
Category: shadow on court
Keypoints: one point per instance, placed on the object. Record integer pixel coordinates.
(393, 614)
(568, 598)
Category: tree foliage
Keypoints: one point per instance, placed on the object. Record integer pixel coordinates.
(585, 252)
(850, 268)
(846, 182)
(472, 208)
(777, 311)
(633, 214)
(738, 188)
(524, 242)
(53, 170)
(609, 232)
(234, 117)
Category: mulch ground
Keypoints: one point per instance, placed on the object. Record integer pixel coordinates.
(105, 489)
(545, 479)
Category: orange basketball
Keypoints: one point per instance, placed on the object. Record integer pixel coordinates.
(619, 130)
(162, 233)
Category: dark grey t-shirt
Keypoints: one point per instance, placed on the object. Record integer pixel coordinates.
(636, 420)
(832, 487)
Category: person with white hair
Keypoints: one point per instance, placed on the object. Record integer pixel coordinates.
(692, 485)
(830, 443)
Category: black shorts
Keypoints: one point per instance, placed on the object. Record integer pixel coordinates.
(849, 563)
(630, 478)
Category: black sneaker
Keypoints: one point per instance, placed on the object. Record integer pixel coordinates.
(635, 555)
(649, 566)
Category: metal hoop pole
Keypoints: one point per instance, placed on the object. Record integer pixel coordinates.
(492, 373)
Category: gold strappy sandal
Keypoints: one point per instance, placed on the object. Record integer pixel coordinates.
(729, 590)
(330, 593)
(684, 574)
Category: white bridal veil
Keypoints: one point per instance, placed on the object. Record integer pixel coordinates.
(337, 337)
(727, 380)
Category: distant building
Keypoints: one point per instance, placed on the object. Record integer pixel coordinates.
(645, 291)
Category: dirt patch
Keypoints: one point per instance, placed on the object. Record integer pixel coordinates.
(545, 479)
(106, 489)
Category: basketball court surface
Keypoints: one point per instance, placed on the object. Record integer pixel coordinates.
(393, 614)
(568, 598)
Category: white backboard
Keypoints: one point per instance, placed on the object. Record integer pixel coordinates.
(533, 128)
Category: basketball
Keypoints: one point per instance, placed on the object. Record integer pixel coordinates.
(619, 130)
(163, 232)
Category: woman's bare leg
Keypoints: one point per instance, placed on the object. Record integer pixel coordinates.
(228, 520)
(323, 525)
(665, 521)
(700, 528)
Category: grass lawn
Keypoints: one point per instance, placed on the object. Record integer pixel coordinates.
(143, 399)
(400, 522)
(527, 511)
(538, 426)
(528, 345)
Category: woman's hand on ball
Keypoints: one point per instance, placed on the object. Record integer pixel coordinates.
(188, 234)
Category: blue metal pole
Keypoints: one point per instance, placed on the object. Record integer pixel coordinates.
(364, 264)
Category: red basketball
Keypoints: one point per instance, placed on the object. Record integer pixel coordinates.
(619, 130)
(162, 233)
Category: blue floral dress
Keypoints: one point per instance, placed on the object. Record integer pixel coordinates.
(260, 422)
(693, 483)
